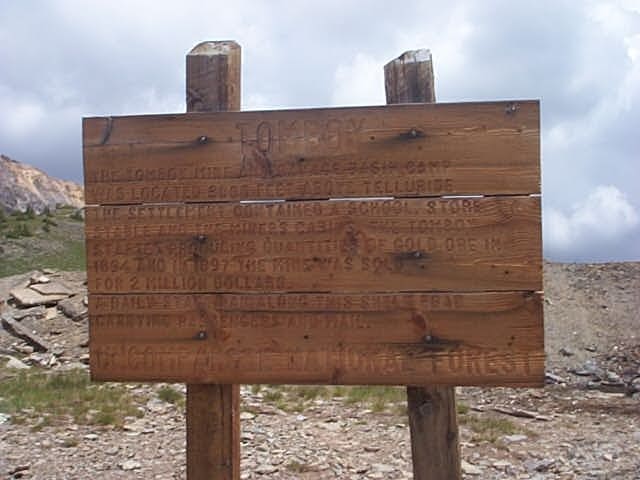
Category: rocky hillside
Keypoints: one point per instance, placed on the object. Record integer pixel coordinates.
(22, 186)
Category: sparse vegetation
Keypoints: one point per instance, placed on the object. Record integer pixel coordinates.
(462, 408)
(30, 213)
(19, 230)
(298, 467)
(53, 397)
(70, 442)
(49, 221)
(295, 398)
(49, 240)
(72, 257)
(168, 394)
(77, 216)
(488, 428)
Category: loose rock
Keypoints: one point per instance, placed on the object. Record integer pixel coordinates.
(26, 297)
(13, 363)
(128, 465)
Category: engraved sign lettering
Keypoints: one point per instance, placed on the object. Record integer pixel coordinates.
(314, 246)
(347, 152)
(328, 246)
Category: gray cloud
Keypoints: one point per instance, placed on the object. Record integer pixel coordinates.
(590, 228)
(62, 60)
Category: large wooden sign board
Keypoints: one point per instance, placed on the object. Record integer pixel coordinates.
(377, 245)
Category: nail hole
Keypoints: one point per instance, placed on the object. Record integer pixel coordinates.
(511, 108)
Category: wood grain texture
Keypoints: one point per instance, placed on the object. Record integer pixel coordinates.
(435, 449)
(213, 431)
(341, 246)
(214, 77)
(466, 339)
(402, 151)
(213, 410)
(433, 423)
(409, 78)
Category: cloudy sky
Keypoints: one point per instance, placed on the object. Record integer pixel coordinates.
(62, 60)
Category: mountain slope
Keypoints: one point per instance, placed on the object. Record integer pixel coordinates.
(22, 185)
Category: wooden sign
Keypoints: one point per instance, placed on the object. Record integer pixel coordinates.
(377, 245)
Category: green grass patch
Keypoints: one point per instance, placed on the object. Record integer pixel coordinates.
(19, 230)
(376, 396)
(19, 224)
(50, 398)
(295, 398)
(168, 394)
(49, 240)
(71, 258)
(488, 428)
(272, 395)
(462, 408)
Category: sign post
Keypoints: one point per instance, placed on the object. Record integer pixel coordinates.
(396, 245)
(213, 410)
(433, 421)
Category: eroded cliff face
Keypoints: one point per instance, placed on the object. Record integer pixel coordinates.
(22, 186)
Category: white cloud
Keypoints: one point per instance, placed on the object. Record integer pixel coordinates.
(448, 38)
(601, 220)
(359, 82)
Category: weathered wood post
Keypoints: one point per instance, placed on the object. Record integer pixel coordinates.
(213, 410)
(432, 410)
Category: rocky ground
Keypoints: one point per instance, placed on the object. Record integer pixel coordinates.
(585, 424)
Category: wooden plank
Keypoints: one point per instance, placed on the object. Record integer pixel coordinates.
(402, 151)
(376, 245)
(402, 338)
(435, 448)
(213, 410)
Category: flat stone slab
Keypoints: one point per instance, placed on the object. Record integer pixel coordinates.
(13, 363)
(39, 278)
(27, 297)
(73, 308)
(20, 331)
(51, 288)
(37, 312)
